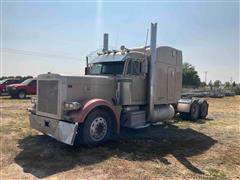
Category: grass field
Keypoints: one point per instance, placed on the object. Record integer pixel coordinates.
(208, 149)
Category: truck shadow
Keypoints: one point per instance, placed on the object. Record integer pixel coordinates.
(178, 118)
(7, 97)
(42, 156)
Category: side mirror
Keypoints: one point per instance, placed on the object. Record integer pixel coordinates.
(144, 67)
(87, 70)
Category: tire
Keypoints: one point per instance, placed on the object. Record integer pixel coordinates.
(184, 115)
(203, 108)
(96, 128)
(13, 96)
(21, 95)
(193, 115)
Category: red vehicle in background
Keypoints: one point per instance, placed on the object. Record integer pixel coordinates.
(21, 90)
(5, 82)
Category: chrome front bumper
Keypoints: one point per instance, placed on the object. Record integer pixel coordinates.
(60, 130)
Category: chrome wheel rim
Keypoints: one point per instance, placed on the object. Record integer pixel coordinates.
(21, 95)
(98, 129)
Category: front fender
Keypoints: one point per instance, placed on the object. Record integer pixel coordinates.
(81, 114)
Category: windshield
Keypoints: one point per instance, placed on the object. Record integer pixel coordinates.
(26, 82)
(113, 68)
(3, 81)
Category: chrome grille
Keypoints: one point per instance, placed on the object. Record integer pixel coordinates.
(48, 96)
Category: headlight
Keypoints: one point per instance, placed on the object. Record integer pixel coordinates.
(72, 105)
(34, 100)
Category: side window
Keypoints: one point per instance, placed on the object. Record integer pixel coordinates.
(8, 82)
(12, 81)
(33, 83)
(134, 68)
(129, 68)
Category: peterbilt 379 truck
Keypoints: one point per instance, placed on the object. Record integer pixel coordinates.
(132, 88)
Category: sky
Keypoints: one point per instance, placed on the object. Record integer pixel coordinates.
(50, 36)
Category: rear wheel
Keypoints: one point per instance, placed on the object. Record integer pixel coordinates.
(183, 115)
(203, 108)
(97, 128)
(194, 111)
(22, 95)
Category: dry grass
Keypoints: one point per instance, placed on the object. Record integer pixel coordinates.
(207, 149)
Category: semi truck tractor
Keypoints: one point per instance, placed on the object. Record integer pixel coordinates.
(131, 87)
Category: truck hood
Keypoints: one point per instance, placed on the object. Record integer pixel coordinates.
(54, 90)
(90, 87)
(57, 76)
(85, 87)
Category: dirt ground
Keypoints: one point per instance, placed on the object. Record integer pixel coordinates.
(208, 149)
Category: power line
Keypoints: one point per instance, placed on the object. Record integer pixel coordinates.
(40, 54)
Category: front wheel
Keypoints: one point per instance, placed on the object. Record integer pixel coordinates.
(97, 128)
(13, 96)
(22, 95)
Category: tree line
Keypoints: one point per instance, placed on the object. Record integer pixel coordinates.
(191, 79)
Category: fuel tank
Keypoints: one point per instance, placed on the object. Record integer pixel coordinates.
(163, 112)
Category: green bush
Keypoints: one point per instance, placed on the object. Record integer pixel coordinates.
(237, 90)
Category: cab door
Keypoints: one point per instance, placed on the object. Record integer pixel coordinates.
(138, 86)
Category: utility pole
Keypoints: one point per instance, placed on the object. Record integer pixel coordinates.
(205, 76)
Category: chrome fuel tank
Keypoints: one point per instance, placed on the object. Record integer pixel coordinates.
(163, 112)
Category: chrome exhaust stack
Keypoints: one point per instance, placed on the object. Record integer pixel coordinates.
(151, 76)
(105, 42)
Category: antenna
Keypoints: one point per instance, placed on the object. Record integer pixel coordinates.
(146, 38)
(146, 42)
(116, 41)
